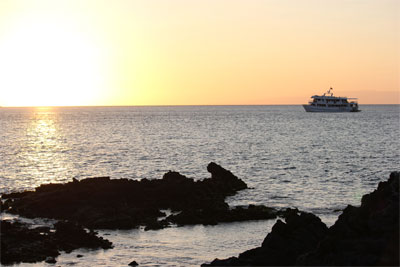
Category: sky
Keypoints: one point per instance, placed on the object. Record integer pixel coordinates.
(197, 52)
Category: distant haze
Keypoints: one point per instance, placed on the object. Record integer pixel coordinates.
(201, 52)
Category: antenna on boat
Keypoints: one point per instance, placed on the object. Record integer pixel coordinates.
(329, 91)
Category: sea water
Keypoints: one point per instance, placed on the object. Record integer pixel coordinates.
(317, 162)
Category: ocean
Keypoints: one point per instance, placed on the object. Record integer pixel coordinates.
(316, 162)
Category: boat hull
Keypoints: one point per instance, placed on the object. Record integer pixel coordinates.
(310, 108)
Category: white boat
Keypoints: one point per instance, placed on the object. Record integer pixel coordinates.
(329, 103)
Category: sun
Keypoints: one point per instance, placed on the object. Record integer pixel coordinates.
(49, 63)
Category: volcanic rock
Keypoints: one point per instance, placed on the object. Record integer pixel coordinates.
(300, 233)
(19, 243)
(104, 203)
(212, 216)
(362, 236)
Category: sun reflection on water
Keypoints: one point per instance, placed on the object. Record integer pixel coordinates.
(45, 149)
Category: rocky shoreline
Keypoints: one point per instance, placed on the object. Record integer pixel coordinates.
(104, 203)
(362, 236)
(20, 243)
(365, 235)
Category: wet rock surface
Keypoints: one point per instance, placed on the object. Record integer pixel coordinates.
(362, 236)
(19, 243)
(104, 203)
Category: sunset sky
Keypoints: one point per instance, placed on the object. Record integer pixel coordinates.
(200, 52)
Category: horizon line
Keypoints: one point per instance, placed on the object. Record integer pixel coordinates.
(174, 105)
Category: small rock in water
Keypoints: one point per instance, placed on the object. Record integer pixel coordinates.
(133, 263)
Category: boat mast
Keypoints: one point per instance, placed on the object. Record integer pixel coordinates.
(329, 91)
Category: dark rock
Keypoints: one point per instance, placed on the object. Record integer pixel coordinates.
(284, 213)
(50, 260)
(16, 194)
(6, 205)
(232, 261)
(3, 206)
(366, 235)
(72, 236)
(133, 263)
(224, 177)
(212, 216)
(176, 177)
(253, 212)
(301, 233)
(103, 203)
(156, 225)
(79, 256)
(19, 243)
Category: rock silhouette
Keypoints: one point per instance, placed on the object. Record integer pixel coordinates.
(366, 235)
(300, 233)
(104, 203)
(19, 243)
(362, 236)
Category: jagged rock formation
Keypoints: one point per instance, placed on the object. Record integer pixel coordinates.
(366, 235)
(19, 243)
(122, 203)
(300, 233)
(362, 236)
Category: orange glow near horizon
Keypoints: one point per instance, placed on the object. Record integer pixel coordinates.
(77, 53)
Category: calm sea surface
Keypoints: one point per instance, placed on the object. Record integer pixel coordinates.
(317, 162)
